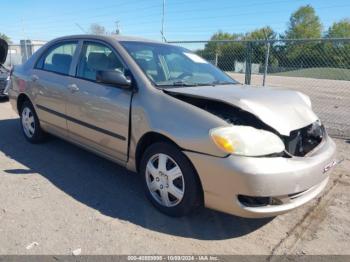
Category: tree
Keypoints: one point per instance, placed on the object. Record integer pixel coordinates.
(224, 54)
(259, 49)
(5, 37)
(97, 29)
(339, 29)
(261, 33)
(337, 53)
(304, 23)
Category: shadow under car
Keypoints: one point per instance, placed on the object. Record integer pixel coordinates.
(110, 188)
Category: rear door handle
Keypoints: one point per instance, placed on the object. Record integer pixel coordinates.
(73, 88)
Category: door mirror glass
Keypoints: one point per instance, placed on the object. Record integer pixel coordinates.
(113, 77)
(3, 51)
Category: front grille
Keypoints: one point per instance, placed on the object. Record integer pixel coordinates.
(250, 201)
(302, 141)
(256, 201)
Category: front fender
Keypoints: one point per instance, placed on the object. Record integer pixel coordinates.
(184, 124)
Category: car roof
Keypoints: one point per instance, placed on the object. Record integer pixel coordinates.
(107, 38)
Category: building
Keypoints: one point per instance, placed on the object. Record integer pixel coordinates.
(28, 47)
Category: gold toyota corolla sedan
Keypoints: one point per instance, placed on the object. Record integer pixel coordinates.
(195, 135)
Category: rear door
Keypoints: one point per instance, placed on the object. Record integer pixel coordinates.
(98, 114)
(50, 81)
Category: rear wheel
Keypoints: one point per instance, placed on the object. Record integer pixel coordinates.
(170, 182)
(30, 123)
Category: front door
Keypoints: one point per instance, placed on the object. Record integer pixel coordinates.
(98, 114)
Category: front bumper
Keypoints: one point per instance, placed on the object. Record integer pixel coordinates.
(289, 182)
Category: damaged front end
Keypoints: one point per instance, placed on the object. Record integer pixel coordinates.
(298, 143)
(302, 141)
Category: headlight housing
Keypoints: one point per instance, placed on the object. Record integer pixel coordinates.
(246, 141)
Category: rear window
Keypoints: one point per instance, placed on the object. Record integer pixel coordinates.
(59, 58)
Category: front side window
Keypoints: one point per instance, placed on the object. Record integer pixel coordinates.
(59, 59)
(168, 65)
(97, 57)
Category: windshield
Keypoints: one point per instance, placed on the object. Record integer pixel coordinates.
(168, 65)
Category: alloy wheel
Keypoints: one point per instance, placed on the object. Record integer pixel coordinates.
(28, 122)
(165, 180)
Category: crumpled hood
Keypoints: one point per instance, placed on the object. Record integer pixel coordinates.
(283, 110)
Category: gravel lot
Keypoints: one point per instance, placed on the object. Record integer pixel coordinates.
(64, 198)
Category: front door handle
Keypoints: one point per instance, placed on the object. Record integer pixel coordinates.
(73, 88)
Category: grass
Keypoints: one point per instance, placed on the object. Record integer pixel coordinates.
(321, 73)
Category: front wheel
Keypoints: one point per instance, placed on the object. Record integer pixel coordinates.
(170, 181)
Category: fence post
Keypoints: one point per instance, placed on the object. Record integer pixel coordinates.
(216, 58)
(266, 62)
(10, 51)
(248, 63)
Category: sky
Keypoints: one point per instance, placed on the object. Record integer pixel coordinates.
(184, 19)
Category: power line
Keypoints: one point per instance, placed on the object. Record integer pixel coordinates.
(63, 19)
(110, 12)
(228, 16)
(198, 19)
(74, 13)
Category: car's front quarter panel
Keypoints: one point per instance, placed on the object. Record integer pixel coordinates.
(184, 124)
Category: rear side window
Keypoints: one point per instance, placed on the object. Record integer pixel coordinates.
(59, 58)
(97, 57)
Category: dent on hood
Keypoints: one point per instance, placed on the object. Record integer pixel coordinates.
(281, 110)
(231, 114)
(298, 143)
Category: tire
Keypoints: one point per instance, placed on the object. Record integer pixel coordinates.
(30, 124)
(173, 191)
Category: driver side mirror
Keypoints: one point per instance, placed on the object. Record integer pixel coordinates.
(112, 77)
(3, 51)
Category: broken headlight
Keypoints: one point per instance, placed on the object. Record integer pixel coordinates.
(246, 141)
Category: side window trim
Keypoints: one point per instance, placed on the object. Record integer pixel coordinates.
(84, 43)
(39, 65)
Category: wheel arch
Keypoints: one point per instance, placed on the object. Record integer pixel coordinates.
(145, 141)
(153, 137)
(20, 100)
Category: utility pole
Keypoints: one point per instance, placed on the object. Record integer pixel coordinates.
(163, 20)
(266, 58)
(25, 41)
(117, 30)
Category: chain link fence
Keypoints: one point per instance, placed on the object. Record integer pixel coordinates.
(18, 54)
(319, 68)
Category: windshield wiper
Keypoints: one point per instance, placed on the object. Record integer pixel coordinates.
(186, 84)
(222, 83)
(179, 83)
